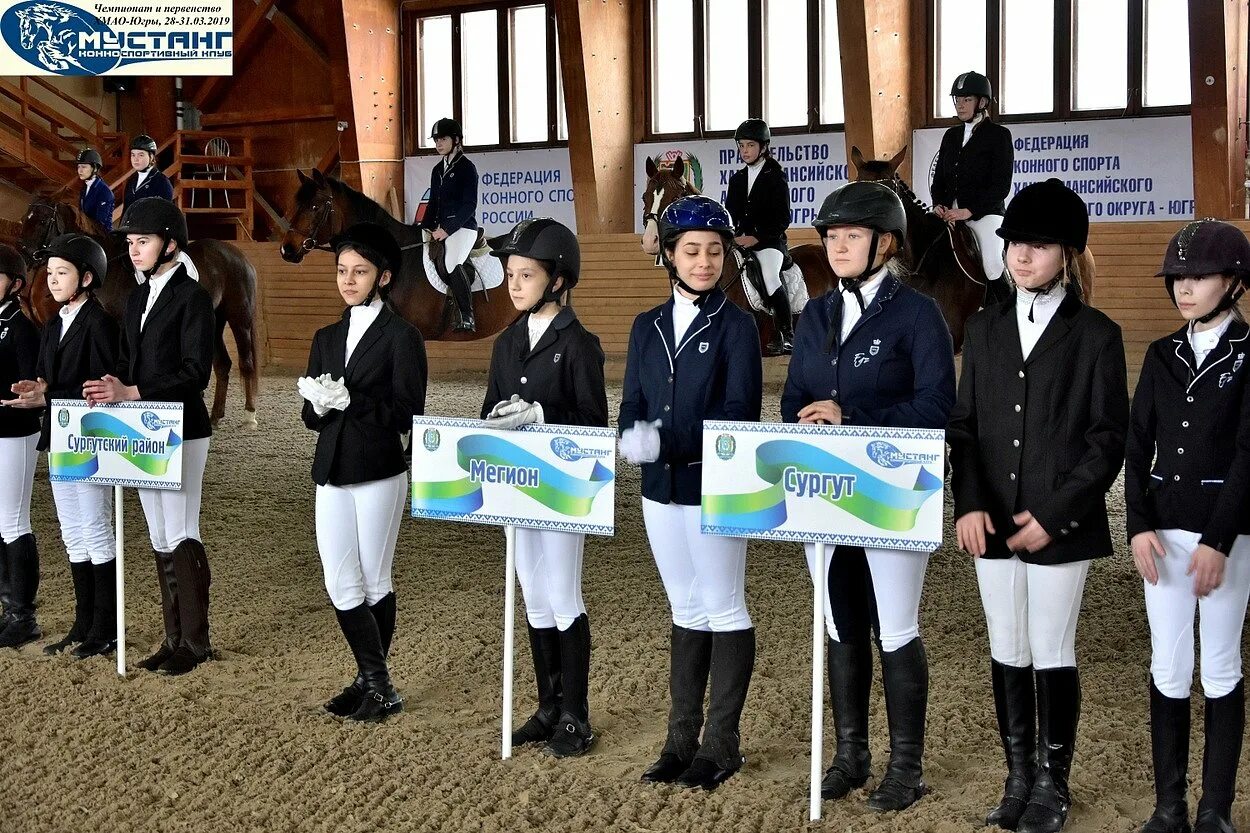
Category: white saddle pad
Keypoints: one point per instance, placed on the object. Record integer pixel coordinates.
(487, 270)
(791, 279)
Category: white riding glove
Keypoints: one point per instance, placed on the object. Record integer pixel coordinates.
(314, 390)
(641, 444)
(514, 414)
(503, 403)
(338, 398)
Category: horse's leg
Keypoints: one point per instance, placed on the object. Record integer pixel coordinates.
(243, 327)
(221, 367)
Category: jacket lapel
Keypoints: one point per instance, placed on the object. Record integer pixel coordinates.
(1009, 335)
(1058, 328)
(1233, 341)
(711, 306)
(67, 337)
(172, 288)
(664, 326)
(549, 337)
(370, 338)
(889, 286)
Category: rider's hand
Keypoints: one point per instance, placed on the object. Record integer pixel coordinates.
(439, 234)
(957, 214)
(746, 241)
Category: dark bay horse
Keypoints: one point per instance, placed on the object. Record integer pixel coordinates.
(224, 272)
(944, 259)
(666, 184)
(325, 206)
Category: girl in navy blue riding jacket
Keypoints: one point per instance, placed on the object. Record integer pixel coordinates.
(873, 352)
(692, 358)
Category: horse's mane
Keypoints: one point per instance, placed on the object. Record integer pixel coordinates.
(907, 194)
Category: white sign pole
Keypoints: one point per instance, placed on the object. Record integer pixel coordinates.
(820, 578)
(509, 613)
(119, 524)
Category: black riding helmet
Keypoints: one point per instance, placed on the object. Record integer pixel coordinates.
(12, 265)
(144, 142)
(90, 156)
(868, 204)
(546, 240)
(447, 127)
(1208, 247)
(1047, 212)
(155, 215)
(755, 130)
(376, 245)
(974, 84)
(84, 252)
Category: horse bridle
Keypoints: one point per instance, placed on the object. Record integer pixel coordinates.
(898, 186)
(321, 216)
(49, 229)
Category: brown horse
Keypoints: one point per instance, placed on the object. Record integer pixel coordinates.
(666, 184)
(945, 262)
(224, 272)
(325, 206)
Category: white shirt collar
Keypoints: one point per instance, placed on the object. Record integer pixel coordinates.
(867, 290)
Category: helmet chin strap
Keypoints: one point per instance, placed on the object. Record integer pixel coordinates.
(164, 257)
(548, 297)
(852, 285)
(700, 295)
(1226, 302)
(1042, 290)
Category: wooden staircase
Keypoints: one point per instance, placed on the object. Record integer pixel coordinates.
(39, 143)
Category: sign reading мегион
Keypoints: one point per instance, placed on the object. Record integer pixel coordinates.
(853, 485)
(117, 37)
(123, 444)
(556, 477)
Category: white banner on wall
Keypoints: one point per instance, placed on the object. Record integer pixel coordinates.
(512, 186)
(1126, 170)
(814, 163)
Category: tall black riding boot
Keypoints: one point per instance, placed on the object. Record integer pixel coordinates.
(380, 699)
(461, 286)
(782, 343)
(690, 659)
(102, 638)
(720, 755)
(23, 558)
(6, 588)
(168, 581)
(1015, 705)
(545, 651)
(1169, 746)
(905, 678)
(84, 607)
(573, 735)
(193, 579)
(1224, 724)
(1058, 712)
(850, 683)
(348, 700)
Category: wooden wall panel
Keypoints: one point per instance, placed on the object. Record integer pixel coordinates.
(619, 281)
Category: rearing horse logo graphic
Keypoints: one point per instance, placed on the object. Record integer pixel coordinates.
(49, 35)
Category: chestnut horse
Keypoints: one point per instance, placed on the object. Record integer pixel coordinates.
(325, 206)
(945, 262)
(224, 272)
(666, 184)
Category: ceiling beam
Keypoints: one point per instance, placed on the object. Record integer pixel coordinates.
(215, 86)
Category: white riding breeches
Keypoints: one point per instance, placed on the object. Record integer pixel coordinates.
(1031, 610)
(549, 567)
(85, 511)
(357, 527)
(897, 579)
(173, 516)
(770, 267)
(704, 576)
(17, 479)
(1170, 608)
(990, 244)
(457, 247)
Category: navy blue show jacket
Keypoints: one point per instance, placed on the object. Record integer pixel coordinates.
(97, 203)
(453, 196)
(896, 368)
(1188, 456)
(19, 356)
(714, 373)
(155, 184)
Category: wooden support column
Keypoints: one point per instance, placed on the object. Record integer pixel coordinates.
(876, 76)
(159, 107)
(1217, 60)
(595, 59)
(364, 67)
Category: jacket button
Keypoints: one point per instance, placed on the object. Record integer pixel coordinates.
(1185, 424)
(1021, 374)
(1018, 409)
(670, 380)
(833, 392)
(1189, 399)
(667, 409)
(1063, 532)
(1176, 477)
(1073, 524)
(667, 467)
(1180, 451)
(835, 361)
(1012, 475)
(524, 380)
(1015, 443)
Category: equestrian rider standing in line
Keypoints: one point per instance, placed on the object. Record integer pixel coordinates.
(692, 358)
(874, 352)
(972, 176)
(1037, 439)
(78, 345)
(451, 216)
(758, 200)
(547, 367)
(1187, 488)
(148, 180)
